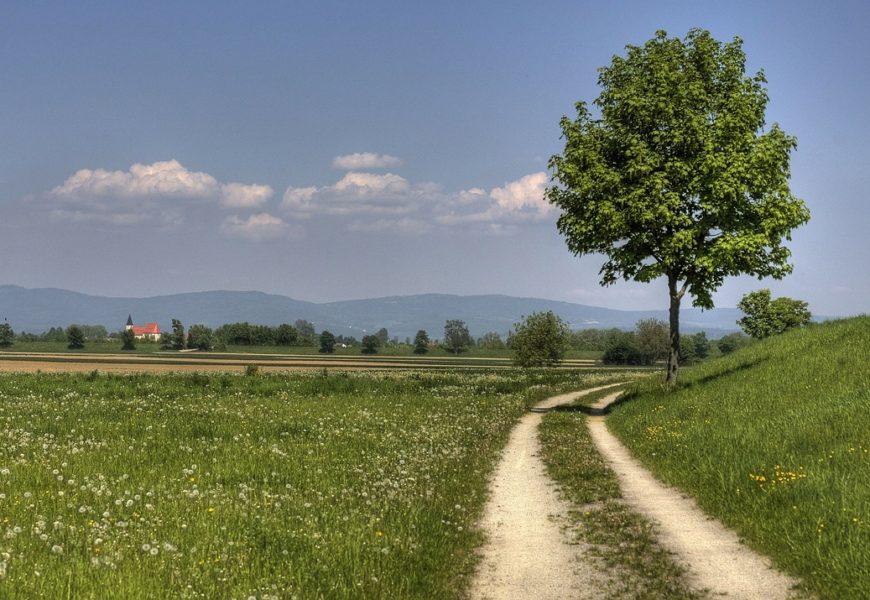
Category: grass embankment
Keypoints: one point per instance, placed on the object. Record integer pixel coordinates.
(347, 485)
(631, 561)
(774, 440)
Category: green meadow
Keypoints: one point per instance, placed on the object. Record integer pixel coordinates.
(774, 440)
(311, 485)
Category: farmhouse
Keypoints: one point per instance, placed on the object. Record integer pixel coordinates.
(148, 331)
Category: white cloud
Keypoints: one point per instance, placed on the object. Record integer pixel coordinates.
(162, 178)
(146, 193)
(524, 193)
(365, 160)
(355, 193)
(258, 227)
(519, 200)
(240, 195)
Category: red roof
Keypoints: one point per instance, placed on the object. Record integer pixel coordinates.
(147, 329)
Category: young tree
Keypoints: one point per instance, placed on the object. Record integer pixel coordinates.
(651, 336)
(200, 337)
(286, 335)
(7, 336)
(370, 344)
(421, 342)
(678, 177)
(305, 330)
(456, 337)
(731, 342)
(75, 337)
(177, 335)
(327, 342)
(128, 340)
(539, 340)
(491, 341)
(763, 317)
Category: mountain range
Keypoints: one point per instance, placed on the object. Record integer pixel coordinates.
(36, 310)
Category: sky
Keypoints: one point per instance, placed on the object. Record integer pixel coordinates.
(337, 150)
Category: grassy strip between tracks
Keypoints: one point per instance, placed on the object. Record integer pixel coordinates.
(621, 542)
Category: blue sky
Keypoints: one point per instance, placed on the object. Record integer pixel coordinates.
(335, 150)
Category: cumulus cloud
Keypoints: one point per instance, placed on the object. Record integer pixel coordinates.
(365, 160)
(162, 178)
(356, 192)
(519, 200)
(240, 195)
(146, 193)
(258, 227)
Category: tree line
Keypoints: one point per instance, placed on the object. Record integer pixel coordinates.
(541, 339)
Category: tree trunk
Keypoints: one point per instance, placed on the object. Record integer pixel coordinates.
(674, 318)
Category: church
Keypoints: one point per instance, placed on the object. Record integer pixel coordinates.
(148, 331)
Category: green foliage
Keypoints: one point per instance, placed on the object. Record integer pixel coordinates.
(539, 340)
(623, 352)
(491, 341)
(383, 335)
(651, 339)
(694, 348)
(178, 339)
(200, 337)
(763, 317)
(286, 335)
(456, 336)
(305, 331)
(128, 340)
(370, 344)
(678, 177)
(731, 342)
(252, 370)
(75, 337)
(772, 440)
(421, 342)
(327, 342)
(7, 336)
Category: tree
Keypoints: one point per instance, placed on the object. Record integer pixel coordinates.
(327, 342)
(763, 317)
(456, 337)
(694, 348)
(200, 337)
(128, 340)
(491, 341)
(305, 330)
(651, 336)
(383, 335)
(7, 336)
(75, 337)
(421, 342)
(286, 335)
(370, 344)
(622, 350)
(177, 335)
(731, 342)
(539, 340)
(677, 177)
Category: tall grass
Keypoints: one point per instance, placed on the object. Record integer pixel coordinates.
(775, 441)
(315, 485)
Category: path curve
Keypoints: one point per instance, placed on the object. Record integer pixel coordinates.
(527, 555)
(713, 555)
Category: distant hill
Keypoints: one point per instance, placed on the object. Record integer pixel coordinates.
(35, 310)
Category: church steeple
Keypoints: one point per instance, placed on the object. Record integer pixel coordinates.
(129, 321)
